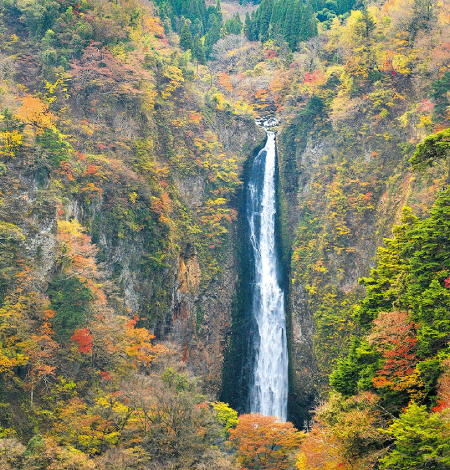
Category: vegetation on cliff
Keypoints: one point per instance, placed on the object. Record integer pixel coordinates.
(121, 173)
(117, 203)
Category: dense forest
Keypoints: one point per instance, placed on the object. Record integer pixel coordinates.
(127, 129)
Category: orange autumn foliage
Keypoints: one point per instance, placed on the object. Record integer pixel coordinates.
(77, 253)
(263, 442)
(224, 80)
(35, 112)
(41, 350)
(153, 26)
(138, 344)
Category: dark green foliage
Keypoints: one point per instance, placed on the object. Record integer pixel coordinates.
(40, 16)
(199, 50)
(355, 371)
(435, 147)
(213, 35)
(186, 39)
(248, 27)
(292, 20)
(233, 25)
(178, 8)
(54, 148)
(70, 299)
(433, 312)
(440, 97)
(384, 282)
(192, 19)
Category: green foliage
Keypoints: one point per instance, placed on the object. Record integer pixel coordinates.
(355, 371)
(186, 39)
(199, 50)
(434, 148)
(422, 440)
(176, 381)
(70, 299)
(55, 148)
(40, 16)
(233, 25)
(439, 94)
(388, 278)
(293, 20)
(195, 20)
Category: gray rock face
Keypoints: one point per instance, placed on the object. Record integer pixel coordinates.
(191, 189)
(201, 317)
(198, 314)
(201, 312)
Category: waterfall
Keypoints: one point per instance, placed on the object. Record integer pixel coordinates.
(269, 386)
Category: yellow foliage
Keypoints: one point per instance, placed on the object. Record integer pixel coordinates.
(10, 143)
(132, 197)
(174, 75)
(426, 122)
(33, 111)
(153, 26)
(221, 102)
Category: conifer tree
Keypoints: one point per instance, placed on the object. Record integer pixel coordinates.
(199, 50)
(219, 11)
(212, 36)
(422, 440)
(251, 27)
(264, 15)
(186, 39)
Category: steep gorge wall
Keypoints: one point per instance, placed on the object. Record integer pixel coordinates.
(137, 162)
(195, 311)
(341, 192)
(203, 311)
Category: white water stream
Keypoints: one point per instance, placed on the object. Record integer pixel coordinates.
(269, 388)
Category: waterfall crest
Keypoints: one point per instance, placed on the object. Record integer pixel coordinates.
(269, 386)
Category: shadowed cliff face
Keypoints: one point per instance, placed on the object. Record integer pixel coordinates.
(196, 313)
(200, 316)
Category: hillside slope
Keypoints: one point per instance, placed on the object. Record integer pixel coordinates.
(123, 159)
(120, 183)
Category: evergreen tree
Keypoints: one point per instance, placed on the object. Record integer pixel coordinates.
(233, 25)
(309, 24)
(264, 15)
(219, 11)
(197, 27)
(435, 147)
(249, 27)
(422, 441)
(292, 23)
(440, 96)
(212, 36)
(292, 20)
(186, 39)
(199, 50)
(355, 371)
